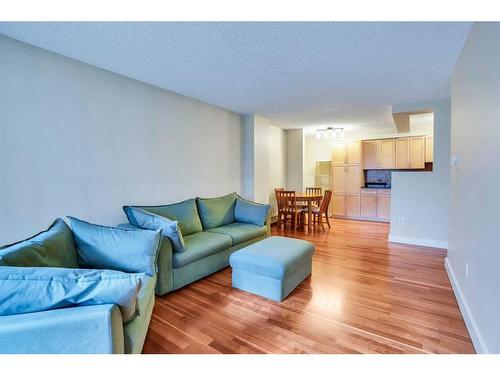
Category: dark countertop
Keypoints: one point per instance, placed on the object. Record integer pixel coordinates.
(376, 187)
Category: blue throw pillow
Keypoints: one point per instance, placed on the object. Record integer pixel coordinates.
(32, 289)
(115, 248)
(251, 212)
(148, 220)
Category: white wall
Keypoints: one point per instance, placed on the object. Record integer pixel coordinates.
(277, 163)
(475, 186)
(264, 158)
(295, 159)
(78, 140)
(421, 198)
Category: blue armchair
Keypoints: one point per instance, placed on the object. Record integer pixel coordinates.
(70, 327)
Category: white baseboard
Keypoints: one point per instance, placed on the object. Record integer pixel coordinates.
(475, 334)
(419, 241)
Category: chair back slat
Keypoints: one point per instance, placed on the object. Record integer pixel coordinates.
(314, 191)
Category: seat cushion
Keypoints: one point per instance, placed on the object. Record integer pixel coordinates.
(215, 212)
(54, 247)
(33, 289)
(200, 245)
(185, 212)
(119, 249)
(273, 257)
(240, 232)
(250, 212)
(135, 331)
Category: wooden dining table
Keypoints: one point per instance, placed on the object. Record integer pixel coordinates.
(309, 199)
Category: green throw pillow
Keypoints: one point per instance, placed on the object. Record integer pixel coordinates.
(216, 212)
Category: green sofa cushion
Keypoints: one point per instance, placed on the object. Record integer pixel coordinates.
(54, 247)
(200, 245)
(240, 232)
(186, 213)
(215, 212)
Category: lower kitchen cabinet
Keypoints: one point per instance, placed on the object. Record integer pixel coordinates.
(338, 205)
(352, 205)
(384, 207)
(369, 205)
(375, 204)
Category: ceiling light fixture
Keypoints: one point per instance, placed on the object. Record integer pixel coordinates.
(330, 132)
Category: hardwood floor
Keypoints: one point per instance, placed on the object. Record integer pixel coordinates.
(365, 295)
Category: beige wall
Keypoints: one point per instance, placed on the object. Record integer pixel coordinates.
(78, 140)
(474, 239)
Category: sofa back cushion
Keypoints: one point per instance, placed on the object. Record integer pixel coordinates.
(148, 220)
(250, 212)
(185, 213)
(32, 289)
(54, 247)
(216, 212)
(118, 249)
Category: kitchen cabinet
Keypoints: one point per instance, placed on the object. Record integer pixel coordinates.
(375, 204)
(370, 154)
(338, 205)
(339, 179)
(353, 179)
(387, 154)
(346, 153)
(347, 179)
(353, 153)
(379, 154)
(417, 153)
(368, 203)
(338, 154)
(429, 149)
(352, 205)
(402, 153)
(384, 207)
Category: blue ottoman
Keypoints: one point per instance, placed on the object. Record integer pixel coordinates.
(273, 267)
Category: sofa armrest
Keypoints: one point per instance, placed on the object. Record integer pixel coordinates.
(267, 223)
(74, 330)
(165, 281)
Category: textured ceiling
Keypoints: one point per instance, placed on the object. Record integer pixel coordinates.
(297, 74)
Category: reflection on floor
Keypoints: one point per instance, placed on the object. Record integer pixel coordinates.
(365, 295)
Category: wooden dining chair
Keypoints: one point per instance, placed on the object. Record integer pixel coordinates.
(289, 208)
(322, 210)
(315, 191)
(278, 204)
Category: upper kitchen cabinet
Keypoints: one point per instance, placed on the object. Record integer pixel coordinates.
(353, 153)
(346, 153)
(370, 154)
(379, 154)
(338, 154)
(402, 153)
(398, 153)
(429, 149)
(387, 154)
(417, 153)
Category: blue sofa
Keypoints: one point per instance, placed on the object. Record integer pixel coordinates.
(77, 329)
(209, 230)
(212, 229)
